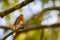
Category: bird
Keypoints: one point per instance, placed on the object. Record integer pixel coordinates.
(19, 21)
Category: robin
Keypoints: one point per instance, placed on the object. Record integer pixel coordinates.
(19, 21)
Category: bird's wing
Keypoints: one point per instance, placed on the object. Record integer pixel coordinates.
(17, 21)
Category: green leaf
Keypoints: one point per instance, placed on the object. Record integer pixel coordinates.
(6, 4)
(44, 2)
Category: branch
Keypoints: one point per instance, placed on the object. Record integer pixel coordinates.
(6, 27)
(33, 28)
(42, 12)
(2, 14)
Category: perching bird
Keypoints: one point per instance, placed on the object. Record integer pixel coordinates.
(19, 21)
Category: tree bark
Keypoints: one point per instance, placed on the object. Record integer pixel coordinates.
(24, 3)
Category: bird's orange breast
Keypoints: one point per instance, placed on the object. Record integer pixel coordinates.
(21, 18)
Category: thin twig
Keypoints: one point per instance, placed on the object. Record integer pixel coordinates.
(6, 27)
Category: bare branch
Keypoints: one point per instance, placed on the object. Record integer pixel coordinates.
(2, 14)
(33, 28)
(42, 12)
(6, 27)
